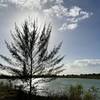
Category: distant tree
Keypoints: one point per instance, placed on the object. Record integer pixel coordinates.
(30, 55)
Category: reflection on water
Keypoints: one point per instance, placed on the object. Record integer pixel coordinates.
(62, 84)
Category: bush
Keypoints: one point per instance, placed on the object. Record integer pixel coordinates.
(75, 92)
(88, 96)
(91, 94)
(78, 93)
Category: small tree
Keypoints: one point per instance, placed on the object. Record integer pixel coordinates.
(29, 50)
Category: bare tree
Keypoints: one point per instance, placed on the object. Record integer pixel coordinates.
(30, 55)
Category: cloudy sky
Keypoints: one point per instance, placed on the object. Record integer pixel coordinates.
(75, 22)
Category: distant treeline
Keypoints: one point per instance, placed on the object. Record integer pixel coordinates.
(88, 76)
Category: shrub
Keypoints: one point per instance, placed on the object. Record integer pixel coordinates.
(75, 92)
(78, 93)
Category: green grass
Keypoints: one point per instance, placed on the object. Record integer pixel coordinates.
(7, 92)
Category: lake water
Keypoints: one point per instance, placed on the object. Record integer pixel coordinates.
(66, 82)
(62, 84)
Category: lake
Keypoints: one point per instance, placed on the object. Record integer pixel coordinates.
(66, 82)
(62, 84)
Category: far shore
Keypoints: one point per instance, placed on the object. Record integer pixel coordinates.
(82, 76)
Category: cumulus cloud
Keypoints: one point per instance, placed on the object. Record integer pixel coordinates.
(74, 11)
(72, 16)
(83, 66)
(55, 9)
(70, 26)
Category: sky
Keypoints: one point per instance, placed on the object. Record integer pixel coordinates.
(75, 22)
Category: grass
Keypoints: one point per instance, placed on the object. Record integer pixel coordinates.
(7, 92)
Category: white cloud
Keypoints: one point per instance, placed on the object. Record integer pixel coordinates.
(72, 26)
(83, 66)
(30, 4)
(59, 1)
(72, 16)
(66, 26)
(56, 11)
(74, 11)
(86, 62)
(69, 18)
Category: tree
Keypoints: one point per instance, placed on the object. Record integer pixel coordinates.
(30, 55)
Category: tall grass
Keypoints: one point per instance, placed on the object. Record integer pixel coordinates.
(78, 93)
(74, 92)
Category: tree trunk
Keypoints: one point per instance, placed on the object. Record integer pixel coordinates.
(30, 92)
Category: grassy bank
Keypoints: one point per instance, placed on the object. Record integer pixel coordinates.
(7, 92)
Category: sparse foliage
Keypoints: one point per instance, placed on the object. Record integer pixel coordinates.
(30, 55)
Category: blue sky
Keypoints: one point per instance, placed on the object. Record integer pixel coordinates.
(75, 22)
